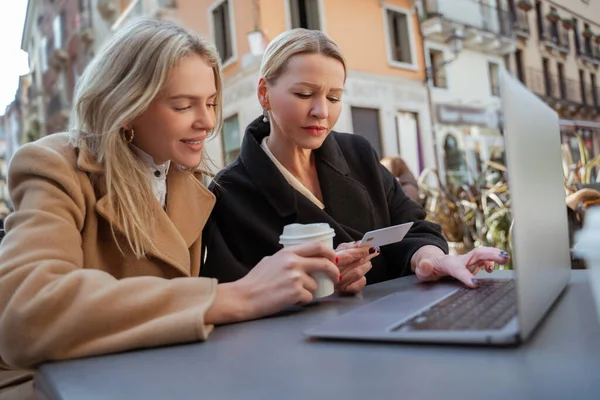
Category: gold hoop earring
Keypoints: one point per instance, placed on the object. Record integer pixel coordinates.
(127, 134)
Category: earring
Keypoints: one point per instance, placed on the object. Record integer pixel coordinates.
(127, 134)
(265, 115)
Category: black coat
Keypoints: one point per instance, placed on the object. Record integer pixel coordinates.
(255, 202)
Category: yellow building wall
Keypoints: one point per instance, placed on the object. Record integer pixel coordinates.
(358, 28)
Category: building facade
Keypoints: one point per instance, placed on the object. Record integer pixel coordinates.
(558, 58)
(466, 43)
(385, 96)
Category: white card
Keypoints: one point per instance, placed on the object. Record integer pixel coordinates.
(389, 235)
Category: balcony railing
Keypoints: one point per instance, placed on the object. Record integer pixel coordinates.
(522, 23)
(556, 35)
(549, 88)
(471, 13)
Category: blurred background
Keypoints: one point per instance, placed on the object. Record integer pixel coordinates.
(422, 83)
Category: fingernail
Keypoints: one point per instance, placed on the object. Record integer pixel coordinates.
(504, 254)
(336, 260)
(372, 250)
(475, 281)
(341, 277)
(378, 250)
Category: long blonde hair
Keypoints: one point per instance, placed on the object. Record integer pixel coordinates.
(116, 87)
(293, 42)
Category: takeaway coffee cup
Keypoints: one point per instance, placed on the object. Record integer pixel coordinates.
(303, 233)
(587, 246)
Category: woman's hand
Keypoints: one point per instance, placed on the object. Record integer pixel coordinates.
(354, 262)
(283, 279)
(430, 263)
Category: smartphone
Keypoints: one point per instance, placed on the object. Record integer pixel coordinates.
(382, 237)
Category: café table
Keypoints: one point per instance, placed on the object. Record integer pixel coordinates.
(271, 358)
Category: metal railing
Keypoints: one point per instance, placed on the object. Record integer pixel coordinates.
(472, 13)
(522, 21)
(555, 33)
(550, 86)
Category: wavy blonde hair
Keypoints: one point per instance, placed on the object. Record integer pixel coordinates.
(116, 87)
(294, 42)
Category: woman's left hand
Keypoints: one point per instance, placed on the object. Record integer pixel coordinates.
(430, 263)
(353, 262)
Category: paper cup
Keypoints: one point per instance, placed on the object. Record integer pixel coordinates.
(587, 246)
(298, 234)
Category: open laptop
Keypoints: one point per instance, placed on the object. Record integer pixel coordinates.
(500, 311)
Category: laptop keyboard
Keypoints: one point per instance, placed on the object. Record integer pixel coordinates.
(490, 306)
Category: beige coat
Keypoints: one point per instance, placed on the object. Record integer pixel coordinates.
(66, 291)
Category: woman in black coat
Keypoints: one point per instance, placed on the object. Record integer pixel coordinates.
(294, 169)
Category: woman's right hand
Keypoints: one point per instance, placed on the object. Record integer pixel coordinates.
(283, 279)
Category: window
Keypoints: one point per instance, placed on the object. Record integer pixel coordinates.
(540, 19)
(58, 30)
(493, 70)
(577, 37)
(547, 83)
(588, 41)
(305, 14)
(561, 80)
(43, 53)
(594, 89)
(519, 65)
(399, 32)
(222, 32)
(232, 139)
(582, 86)
(554, 27)
(365, 122)
(438, 71)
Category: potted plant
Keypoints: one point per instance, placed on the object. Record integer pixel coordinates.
(567, 23)
(470, 214)
(553, 16)
(525, 5)
(587, 32)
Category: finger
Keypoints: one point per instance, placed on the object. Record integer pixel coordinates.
(465, 276)
(304, 297)
(346, 246)
(350, 256)
(310, 265)
(490, 266)
(355, 274)
(346, 268)
(425, 271)
(355, 287)
(482, 254)
(312, 249)
(308, 282)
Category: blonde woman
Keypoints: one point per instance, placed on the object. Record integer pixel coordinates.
(294, 168)
(102, 252)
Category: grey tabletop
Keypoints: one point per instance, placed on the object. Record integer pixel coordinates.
(272, 359)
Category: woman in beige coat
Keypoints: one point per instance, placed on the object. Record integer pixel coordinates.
(102, 252)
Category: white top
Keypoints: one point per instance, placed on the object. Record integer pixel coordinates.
(291, 179)
(157, 173)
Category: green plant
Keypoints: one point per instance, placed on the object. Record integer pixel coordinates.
(472, 214)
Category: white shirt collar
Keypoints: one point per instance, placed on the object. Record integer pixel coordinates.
(289, 177)
(163, 169)
(157, 174)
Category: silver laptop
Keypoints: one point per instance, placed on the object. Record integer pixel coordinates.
(500, 311)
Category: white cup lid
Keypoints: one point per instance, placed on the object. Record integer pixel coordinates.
(306, 231)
